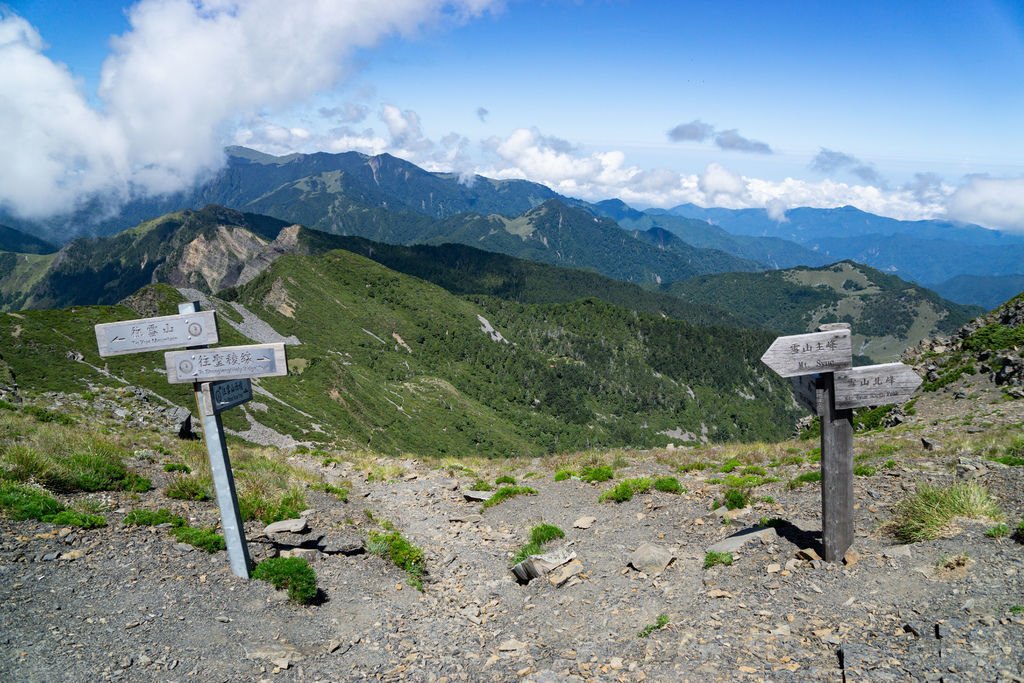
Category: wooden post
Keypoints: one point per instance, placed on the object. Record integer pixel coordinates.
(836, 468)
(223, 479)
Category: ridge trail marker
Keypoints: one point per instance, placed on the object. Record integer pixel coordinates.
(233, 366)
(820, 368)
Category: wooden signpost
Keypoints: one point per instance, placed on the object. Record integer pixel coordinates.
(220, 378)
(820, 368)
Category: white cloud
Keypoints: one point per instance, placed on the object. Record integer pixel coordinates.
(173, 87)
(992, 202)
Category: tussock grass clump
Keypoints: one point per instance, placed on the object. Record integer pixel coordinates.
(562, 475)
(75, 518)
(998, 531)
(539, 536)
(626, 490)
(339, 492)
(177, 467)
(598, 474)
(289, 573)
(190, 488)
(403, 554)
(506, 492)
(481, 485)
(273, 506)
(930, 512)
(668, 485)
(863, 470)
(713, 558)
(505, 479)
(695, 466)
(805, 478)
(735, 498)
(24, 501)
(143, 517)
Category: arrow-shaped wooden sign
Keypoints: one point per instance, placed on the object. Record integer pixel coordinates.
(226, 362)
(807, 354)
(875, 385)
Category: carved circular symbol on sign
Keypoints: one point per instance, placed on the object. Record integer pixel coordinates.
(195, 329)
(185, 367)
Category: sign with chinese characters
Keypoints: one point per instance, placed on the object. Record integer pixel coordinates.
(219, 396)
(226, 362)
(805, 391)
(875, 385)
(807, 354)
(156, 334)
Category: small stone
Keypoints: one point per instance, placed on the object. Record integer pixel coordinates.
(774, 568)
(851, 557)
(912, 629)
(715, 593)
(559, 576)
(896, 551)
(511, 645)
(125, 663)
(223, 619)
(292, 526)
(808, 554)
(738, 540)
(651, 559)
(584, 522)
(930, 444)
(477, 496)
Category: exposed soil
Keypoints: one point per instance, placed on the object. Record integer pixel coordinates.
(129, 603)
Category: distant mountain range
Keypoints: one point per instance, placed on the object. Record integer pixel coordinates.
(386, 199)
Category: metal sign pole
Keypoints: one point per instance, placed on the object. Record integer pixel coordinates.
(223, 480)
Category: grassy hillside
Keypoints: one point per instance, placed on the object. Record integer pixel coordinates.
(886, 313)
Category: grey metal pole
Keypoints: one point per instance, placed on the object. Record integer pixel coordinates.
(223, 479)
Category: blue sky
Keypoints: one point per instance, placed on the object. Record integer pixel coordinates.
(906, 109)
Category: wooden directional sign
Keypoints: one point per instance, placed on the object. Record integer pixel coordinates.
(875, 385)
(219, 396)
(807, 354)
(156, 334)
(805, 390)
(226, 362)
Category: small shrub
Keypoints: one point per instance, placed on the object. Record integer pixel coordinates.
(597, 475)
(177, 467)
(539, 536)
(189, 488)
(713, 558)
(506, 492)
(286, 505)
(626, 490)
(403, 554)
(928, 513)
(998, 531)
(889, 464)
(289, 573)
(562, 475)
(661, 623)
(142, 517)
(505, 479)
(668, 485)
(729, 465)
(735, 499)
(204, 538)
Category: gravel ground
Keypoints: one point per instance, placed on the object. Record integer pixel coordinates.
(129, 603)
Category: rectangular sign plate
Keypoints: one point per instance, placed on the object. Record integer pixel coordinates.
(220, 396)
(226, 362)
(156, 334)
(807, 354)
(875, 385)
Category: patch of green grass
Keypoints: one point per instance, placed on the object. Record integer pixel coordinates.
(177, 467)
(75, 518)
(863, 470)
(625, 490)
(339, 492)
(597, 475)
(814, 455)
(998, 531)
(713, 558)
(562, 475)
(289, 573)
(753, 470)
(1016, 609)
(661, 623)
(735, 499)
(47, 416)
(144, 517)
(539, 536)
(204, 538)
(693, 466)
(730, 465)
(403, 554)
(23, 501)
(506, 492)
(189, 488)
(805, 478)
(481, 485)
(273, 506)
(930, 511)
(505, 479)
(889, 464)
(668, 485)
